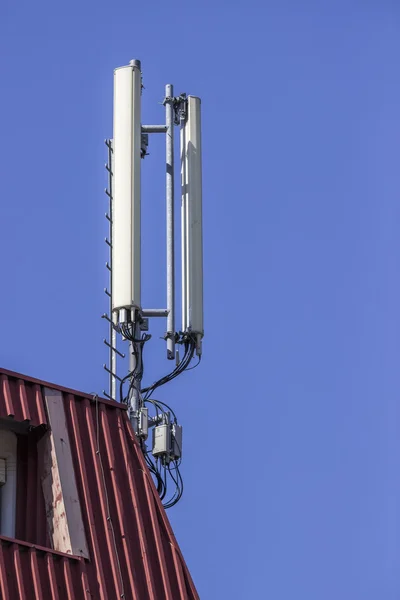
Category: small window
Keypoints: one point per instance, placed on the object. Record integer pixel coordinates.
(39, 498)
(8, 482)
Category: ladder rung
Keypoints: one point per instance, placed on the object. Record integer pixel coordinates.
(114, 349)
(111, 373)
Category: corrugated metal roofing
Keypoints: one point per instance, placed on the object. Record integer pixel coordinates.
(133, 551)
(21, 399)
(30, 572)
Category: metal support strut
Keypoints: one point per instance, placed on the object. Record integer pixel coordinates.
(154, 128)
(169, 121)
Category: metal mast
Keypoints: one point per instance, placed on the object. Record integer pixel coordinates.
(127, 315)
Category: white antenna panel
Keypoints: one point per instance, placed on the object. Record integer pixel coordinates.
(192, 234)
(126, 274)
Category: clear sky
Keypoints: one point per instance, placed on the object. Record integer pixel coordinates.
(292, 423)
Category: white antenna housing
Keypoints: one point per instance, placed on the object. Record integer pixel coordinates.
(126, 274)
(192, 234)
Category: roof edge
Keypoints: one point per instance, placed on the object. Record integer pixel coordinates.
(4, 538)
(61, 388)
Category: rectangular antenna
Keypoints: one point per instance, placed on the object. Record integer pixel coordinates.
(126, 275)
(192, 234)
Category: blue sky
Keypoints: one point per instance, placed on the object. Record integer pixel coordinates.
(292, 423)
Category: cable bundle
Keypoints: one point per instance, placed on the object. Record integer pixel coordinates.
(165, 471)
(189, 343)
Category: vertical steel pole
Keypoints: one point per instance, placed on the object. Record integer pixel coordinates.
(135, 399)
(169, 121)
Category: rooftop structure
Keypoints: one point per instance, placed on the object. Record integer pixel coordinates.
(88, 521)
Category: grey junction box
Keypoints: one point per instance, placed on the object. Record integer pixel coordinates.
(161, 440)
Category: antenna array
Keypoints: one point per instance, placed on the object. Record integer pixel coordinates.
(127, 318)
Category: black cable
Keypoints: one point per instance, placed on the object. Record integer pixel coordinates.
(190, 347)
(196, 365)
(154, 470)
(178, 487)
(162, 496)
(155, 406)
(161, 469)
(165, 472)
(189, 351)
(137, 373)
(159, 404)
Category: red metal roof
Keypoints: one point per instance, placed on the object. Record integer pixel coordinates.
(32, 572)
(133, 551)
(21, 399)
